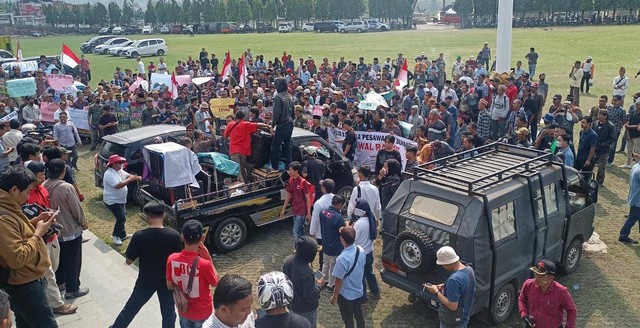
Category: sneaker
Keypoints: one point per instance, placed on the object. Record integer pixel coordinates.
(76, 168)
(329, 290)
(624, 166)
(78, 293)
(627, 240)
(127, 236)
(65, 309)
(116, 240)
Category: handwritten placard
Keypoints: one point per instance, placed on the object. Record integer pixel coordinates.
(79, 118)
(222, 107)
(46, 111)
(59, 82)
(21, 87)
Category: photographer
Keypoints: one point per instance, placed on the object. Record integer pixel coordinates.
(567, 115)
(23, 252)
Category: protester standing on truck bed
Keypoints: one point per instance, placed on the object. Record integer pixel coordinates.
(239, 133)
(282, 125)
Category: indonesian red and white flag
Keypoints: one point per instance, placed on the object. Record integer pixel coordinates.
(174, 86)
(226, 67)
(19, 56)
(68, 57)
(402, 78)
(242, 81)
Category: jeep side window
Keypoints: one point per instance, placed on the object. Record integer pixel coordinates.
(503, 220)
(578, 193)
(551, 200)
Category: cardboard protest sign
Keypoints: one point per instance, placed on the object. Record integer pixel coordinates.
(222, 107)
(79, 118)
(47, 109)
(21, 87)
(59, 82)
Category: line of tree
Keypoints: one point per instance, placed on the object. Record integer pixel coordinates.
(162, 12)
(540, 8)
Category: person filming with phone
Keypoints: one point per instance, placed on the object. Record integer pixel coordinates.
(23, 253)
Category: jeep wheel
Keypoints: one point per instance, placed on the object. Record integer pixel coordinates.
(135, 195)
(503, 303)
(343, 31)
(415, 251)
(344, 192)
(572, 257)
(230, 235)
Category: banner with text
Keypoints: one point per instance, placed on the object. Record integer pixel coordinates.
(222, 107)
(9, 117)
(25, 66)
(46, 111)
(79, 117)
(369, 143)
(59, 82)
(21, 87)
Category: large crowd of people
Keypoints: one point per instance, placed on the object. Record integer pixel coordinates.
(445, 107)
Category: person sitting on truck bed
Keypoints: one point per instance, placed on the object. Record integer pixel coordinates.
(202, 144)
(239, 133)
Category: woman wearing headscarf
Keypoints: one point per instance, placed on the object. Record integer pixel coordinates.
(389, 180)
(364, 223)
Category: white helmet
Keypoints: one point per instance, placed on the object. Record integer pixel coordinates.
(274, 290)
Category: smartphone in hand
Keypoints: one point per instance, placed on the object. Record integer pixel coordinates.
(319, 275)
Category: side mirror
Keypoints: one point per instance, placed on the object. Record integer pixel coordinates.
(593, 191)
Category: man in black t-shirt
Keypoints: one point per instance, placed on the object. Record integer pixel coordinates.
(108, 122)
(152, 247)
(387, 152)
(350, 142)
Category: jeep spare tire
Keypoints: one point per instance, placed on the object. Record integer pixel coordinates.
(415, 251)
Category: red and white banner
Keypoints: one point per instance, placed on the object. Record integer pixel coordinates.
(242, 78)
(402, 78)
(226, 67)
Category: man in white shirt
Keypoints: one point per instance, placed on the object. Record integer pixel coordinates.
(432, 89)
(232, 303)
(365, 190)
(31, 112)
(140, 66)
(162, 66)
(327, 186)
(12, 138)
(621, 84)
(115, 181)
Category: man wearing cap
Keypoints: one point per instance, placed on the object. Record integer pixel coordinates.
(203, 119)
(178, 269)
(543, 300)
(522, 137)
(115, 181)
(458, 289)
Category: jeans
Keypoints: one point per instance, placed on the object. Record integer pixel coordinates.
(186, 323)
(282, 137)
(30, 306)
(139, 297)
(370, 277)
(634, 146)
(350, 310)
(68, 272)
(498, 128)
(632, 218)
(73, 159)
(120, 214)
(298, 227)
(312, 316)
(95, 138)
(532, 70)
(612, 150)
(586, 77)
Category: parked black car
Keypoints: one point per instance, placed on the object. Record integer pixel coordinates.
(87, 47)
(265, 28)
(325, 27)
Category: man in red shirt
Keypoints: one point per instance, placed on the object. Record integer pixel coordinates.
(179, 266)
(299, 195)
(239, 133)
(542, 299)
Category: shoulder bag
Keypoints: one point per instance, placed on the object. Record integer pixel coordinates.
(180, 298)
(455, 318)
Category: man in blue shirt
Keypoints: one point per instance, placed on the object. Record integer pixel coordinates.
(348, 272)
(634, 203)
(459, 288)
(585, 158)
(330, 223)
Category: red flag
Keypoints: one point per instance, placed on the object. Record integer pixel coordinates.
(68, 57)
(174, 86)
(19, 56)
(402, 78)
(242, 81)
(226, 68)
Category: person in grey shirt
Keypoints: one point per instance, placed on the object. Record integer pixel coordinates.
(416, 120)
(4, 151)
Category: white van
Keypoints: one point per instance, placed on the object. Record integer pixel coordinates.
(145, 47)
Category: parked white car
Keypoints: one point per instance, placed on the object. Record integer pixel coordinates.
(357, 26)
(147, 29)
(307, 27)
(104, 48)
(164, 29)
(117, 30)
(285, 28)
(375, 25)
(146, 47)
(117, 50)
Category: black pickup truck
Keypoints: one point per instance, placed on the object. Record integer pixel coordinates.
(228, 208)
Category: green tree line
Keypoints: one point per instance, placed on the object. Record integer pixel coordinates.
(480, 8)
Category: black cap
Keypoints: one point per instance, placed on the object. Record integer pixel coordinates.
(544, 267)
(35, 167)
(348, 122)
(617, 97)
(317, 117)
(192, 230)
(557, 97)
(328, 185)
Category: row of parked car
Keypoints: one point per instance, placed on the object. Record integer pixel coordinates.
(123, 47)
(128, 29)
(337, 26)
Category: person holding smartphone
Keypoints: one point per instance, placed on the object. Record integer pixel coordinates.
(306, 283)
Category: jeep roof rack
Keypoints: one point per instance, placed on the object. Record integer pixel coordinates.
(492, 164)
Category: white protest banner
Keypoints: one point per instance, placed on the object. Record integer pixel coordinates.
(160, 81)
(25, 66)
(79, 118)
(369, 143)
(21, 87)
(58, 81)
(9, 117)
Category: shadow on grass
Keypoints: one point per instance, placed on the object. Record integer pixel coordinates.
(611, 197)
(620, 173)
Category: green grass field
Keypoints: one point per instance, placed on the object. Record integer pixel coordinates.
(605, 285)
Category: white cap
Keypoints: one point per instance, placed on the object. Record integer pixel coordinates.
(446, 255)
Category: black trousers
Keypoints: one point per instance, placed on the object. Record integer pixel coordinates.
(320, 256)
(139, 298)
(30, 306)
(350, 310)
(120, 213)
(68, 272)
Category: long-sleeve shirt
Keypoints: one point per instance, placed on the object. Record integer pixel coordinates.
(66, 134)
(320, 205)
(63, 195)
(575, 77)
(546, 307)
(11, 139)
(620, 85)
(31, 113)
(369, 193)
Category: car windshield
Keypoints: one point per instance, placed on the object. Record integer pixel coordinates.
(110, 148)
